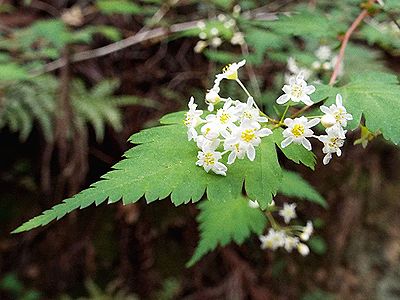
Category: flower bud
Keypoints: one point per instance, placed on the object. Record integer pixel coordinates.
(303, 249)
(328, 121)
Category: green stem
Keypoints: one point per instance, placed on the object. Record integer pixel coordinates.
(272, 220)
(284, 113)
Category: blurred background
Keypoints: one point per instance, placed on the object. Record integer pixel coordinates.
(77, 78)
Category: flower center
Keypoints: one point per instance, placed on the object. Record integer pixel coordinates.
(247, 115)
(224, 118)
(188, 121)
(232, 75)
(248, 135)
(297, 91)
(298, 130)
(209, 159)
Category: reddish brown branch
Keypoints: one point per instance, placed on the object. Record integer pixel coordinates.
(346, 38)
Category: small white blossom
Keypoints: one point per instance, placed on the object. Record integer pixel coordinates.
(303, 249)
(307, 231)
(201, 25)
(216, 42)
(200, 46)
(192, 119)
(231, 71)
(291, 243)
(202, 35)
(214, 31)
(221, 18)
(237, 38)
(223, 119)
(332, 142)
(273, 240)
(249, 112)
(323, 53)
(298, 131)
(338, 112)
(288, 212)
(295, 70)
(254, 204)
(230, 23)
(244, 139)
(213, 98)
(208, 158)
(297, 91)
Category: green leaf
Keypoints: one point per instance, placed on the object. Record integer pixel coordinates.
(295, 152)
(374, 95)
(224, 222)
(318, 245)
(118, 7)
(163, 164)
(11, 71)
(293, 185)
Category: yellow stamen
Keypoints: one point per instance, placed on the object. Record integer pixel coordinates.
(248, 135)
(209, 159)
(297, 91)
(298, 130)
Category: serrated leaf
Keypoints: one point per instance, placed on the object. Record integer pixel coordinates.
(295, 152)
(223, 222)
(293, 185)
(163, 164)
(374, 95)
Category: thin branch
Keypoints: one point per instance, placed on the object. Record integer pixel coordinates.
(346, 38)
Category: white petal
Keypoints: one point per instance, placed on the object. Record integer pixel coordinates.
(327, 158)
(251, 152)
(231, 158)
(306, 143)
(313, 122)
(325, 109)
(283, 99)
(339, 101)
(307, 100)
(288, 121)
(286, 89)
(286, 142)
(264, 132)
(309, 89)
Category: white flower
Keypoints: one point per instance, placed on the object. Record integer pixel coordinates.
(288, 212)
(249, 112)
(254, 204)
(303, 249)
(223, 119)
(208, 158)
(307, 231)
(202, 35)
(212, 98)
(237, 38)
(294, 69)
(338, 112)
(201, 25)
(200, 45)
(273, 240)
(332, 142)
(323, 53)
(216, 42)
(297, 91)
(204, 143)
(290, 243)
(298, 131)
(192, 119)
(214, 31)
(244, 139)
(231, 71)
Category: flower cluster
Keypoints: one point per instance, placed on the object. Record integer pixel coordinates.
(215, 32)
(235, 128)
(325, 60)
(298, 130)
(289, 237)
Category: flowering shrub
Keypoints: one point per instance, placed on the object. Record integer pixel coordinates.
(227, 155)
